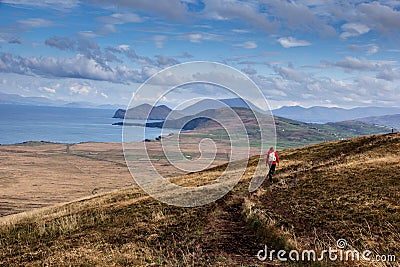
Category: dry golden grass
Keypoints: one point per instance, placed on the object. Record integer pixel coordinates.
(346, 189)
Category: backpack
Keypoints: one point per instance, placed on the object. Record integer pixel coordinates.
(272, 157)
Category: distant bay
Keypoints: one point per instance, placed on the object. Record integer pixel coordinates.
(21, 123)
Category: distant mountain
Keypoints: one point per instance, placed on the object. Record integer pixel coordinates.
(325, 114)
(146, 111)
(34, 101)
(89, 105)
(107, 106)
(207, 104)
(392, 121)
(15, 99)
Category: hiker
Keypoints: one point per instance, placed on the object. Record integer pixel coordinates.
(272, 160)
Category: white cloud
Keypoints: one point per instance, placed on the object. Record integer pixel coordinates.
(355, 48)
(165, 60)
(47, 89)
(94, 65)
(247, 45)
(48, 4)
(198, 37)
(302, 16)
(381, 17)
(309, 90)
(249, 70)
(104, 95)
(353, 29)
(88, 34)
(246, 11)
(159, 40)
(123, 47)
(100, 31)
(121, 18)
(195, 37)
(29, 86)
(171, 9)
(383, 69)
(63, 43)
(288, 42)
(35, 23)
(120, 49)
(76, 67)
(292, 74)
(362, 64)
(389, 74)
(80, 89)
(372, 49)
(106, 29)
(241, 31)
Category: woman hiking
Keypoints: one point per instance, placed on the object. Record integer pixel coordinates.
(272, 160)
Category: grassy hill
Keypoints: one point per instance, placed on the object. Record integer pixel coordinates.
(344, 189)
(290, 133)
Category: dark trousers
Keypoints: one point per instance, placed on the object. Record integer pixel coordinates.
(271, 171)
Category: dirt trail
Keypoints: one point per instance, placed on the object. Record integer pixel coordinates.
(230, 236)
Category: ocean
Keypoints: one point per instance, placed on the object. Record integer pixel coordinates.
(20, 123)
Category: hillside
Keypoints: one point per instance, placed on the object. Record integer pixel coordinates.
(344, 189)
(290, 133)
(293, 133)
(392, 121)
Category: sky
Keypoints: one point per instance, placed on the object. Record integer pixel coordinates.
(309, 53)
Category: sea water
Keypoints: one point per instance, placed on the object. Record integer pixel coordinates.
(19, 123)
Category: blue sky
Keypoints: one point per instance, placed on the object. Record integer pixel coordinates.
(311, 52)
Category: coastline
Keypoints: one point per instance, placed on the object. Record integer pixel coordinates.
(21, 124)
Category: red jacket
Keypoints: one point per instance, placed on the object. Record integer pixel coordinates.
(276, 156)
